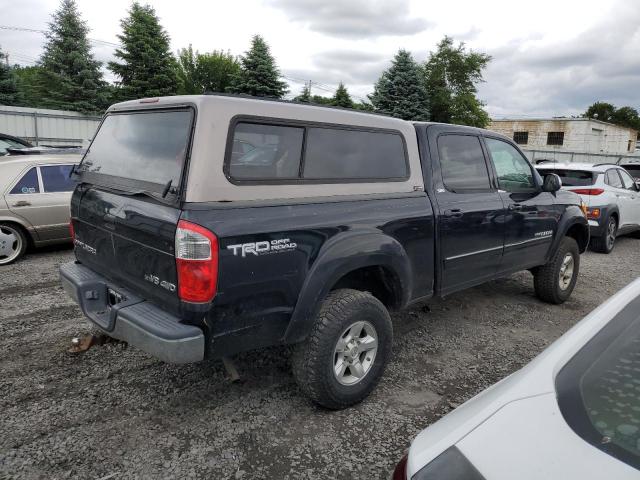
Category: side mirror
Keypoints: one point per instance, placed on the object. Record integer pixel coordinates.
(551, 183)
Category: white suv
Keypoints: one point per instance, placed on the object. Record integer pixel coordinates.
(611, 194)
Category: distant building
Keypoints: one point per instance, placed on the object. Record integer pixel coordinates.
(578, 136)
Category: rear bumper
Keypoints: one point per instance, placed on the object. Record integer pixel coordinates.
(132, 319)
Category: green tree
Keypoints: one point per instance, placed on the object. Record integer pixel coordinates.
(32, 85)
(9, 92)
(450, 78)
(258, 75)
(601, 111)
(205, 72)
(626, 117)
(400, 90)
(71, 74)
(320, 100)
(342, 98)
(147, 67)
(305, 95)
(364, 106)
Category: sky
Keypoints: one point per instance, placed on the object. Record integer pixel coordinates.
(549, 58)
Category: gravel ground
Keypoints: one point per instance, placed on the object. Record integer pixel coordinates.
(114, 412)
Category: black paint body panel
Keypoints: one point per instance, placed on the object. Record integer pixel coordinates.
(306, 246)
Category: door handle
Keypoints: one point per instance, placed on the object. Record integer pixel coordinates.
(516, 207)
(454, 212)
(22, 203)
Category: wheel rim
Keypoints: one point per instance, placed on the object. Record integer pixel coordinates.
(10, 244)
(611, 234)
(566, 271)
(355, 353)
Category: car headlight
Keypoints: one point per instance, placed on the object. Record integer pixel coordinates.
(449, 465)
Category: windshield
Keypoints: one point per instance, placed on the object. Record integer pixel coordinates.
(571, 178)
(143, 146)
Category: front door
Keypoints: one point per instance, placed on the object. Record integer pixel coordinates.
(530, 218)
(633, 198)
(470, 223)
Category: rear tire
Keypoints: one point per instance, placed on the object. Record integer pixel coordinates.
(555, 281)
(13, 243)
(605, 242)
(346, 352)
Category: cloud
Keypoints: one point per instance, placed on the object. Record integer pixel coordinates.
(354, 18)
(564, 78)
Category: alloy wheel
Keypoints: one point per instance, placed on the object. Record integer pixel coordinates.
(355, 353)
(10, 244)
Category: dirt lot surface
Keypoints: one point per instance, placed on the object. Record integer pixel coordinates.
(114, 412)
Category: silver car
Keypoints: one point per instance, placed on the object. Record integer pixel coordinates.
(34, 205)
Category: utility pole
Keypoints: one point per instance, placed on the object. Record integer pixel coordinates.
(6, 58)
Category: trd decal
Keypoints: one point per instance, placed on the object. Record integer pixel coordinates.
(263, 248)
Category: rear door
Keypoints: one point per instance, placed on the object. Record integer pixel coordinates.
(622, 197)
(629, 184)
(470, 223)
(56, 195)
(24, 198)
(530, 217)
(126, 209)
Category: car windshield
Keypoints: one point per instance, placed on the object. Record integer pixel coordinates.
(571, 178)
(150, 147)
(6, 143)
(599, 389)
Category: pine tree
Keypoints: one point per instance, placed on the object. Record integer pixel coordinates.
(305, 95)
(400, 90)
(9, 93)
(147, 67)
(72, 76)
(342, 98)
(258, 75)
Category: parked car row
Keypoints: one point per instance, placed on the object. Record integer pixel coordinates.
(612, 197)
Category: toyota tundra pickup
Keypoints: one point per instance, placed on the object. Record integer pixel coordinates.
(210, 225)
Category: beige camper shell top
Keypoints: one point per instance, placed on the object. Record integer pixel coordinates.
(206, 180)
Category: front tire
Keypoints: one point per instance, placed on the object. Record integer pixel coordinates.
(345, 354)
(605, 242)
(555, 281)
(13, 243)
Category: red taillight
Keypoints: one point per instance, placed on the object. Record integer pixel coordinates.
(400, 472)
(588, 191)
(71, 230)
(196, 262)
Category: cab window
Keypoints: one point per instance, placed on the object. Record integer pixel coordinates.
(27, 184)
(462, 163)
(513, 170)
(55, 178)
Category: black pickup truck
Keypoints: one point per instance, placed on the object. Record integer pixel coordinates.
(209, 225)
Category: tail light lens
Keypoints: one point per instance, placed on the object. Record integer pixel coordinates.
(71, 230)
(196, 262)
(588, 191)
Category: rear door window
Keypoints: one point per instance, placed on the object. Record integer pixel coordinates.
(265, 151)
(27, 184)
(613, 179)
(571, 178)
(627, 181)
(148, 147)
(55, 178)
(462, 163)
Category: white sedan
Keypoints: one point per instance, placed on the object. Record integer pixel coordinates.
(572, 413)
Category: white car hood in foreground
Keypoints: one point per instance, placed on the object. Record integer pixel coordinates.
(515, 429)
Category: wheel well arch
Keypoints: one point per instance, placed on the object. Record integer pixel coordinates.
(380, 281)
(580, 233)
(25, 231)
